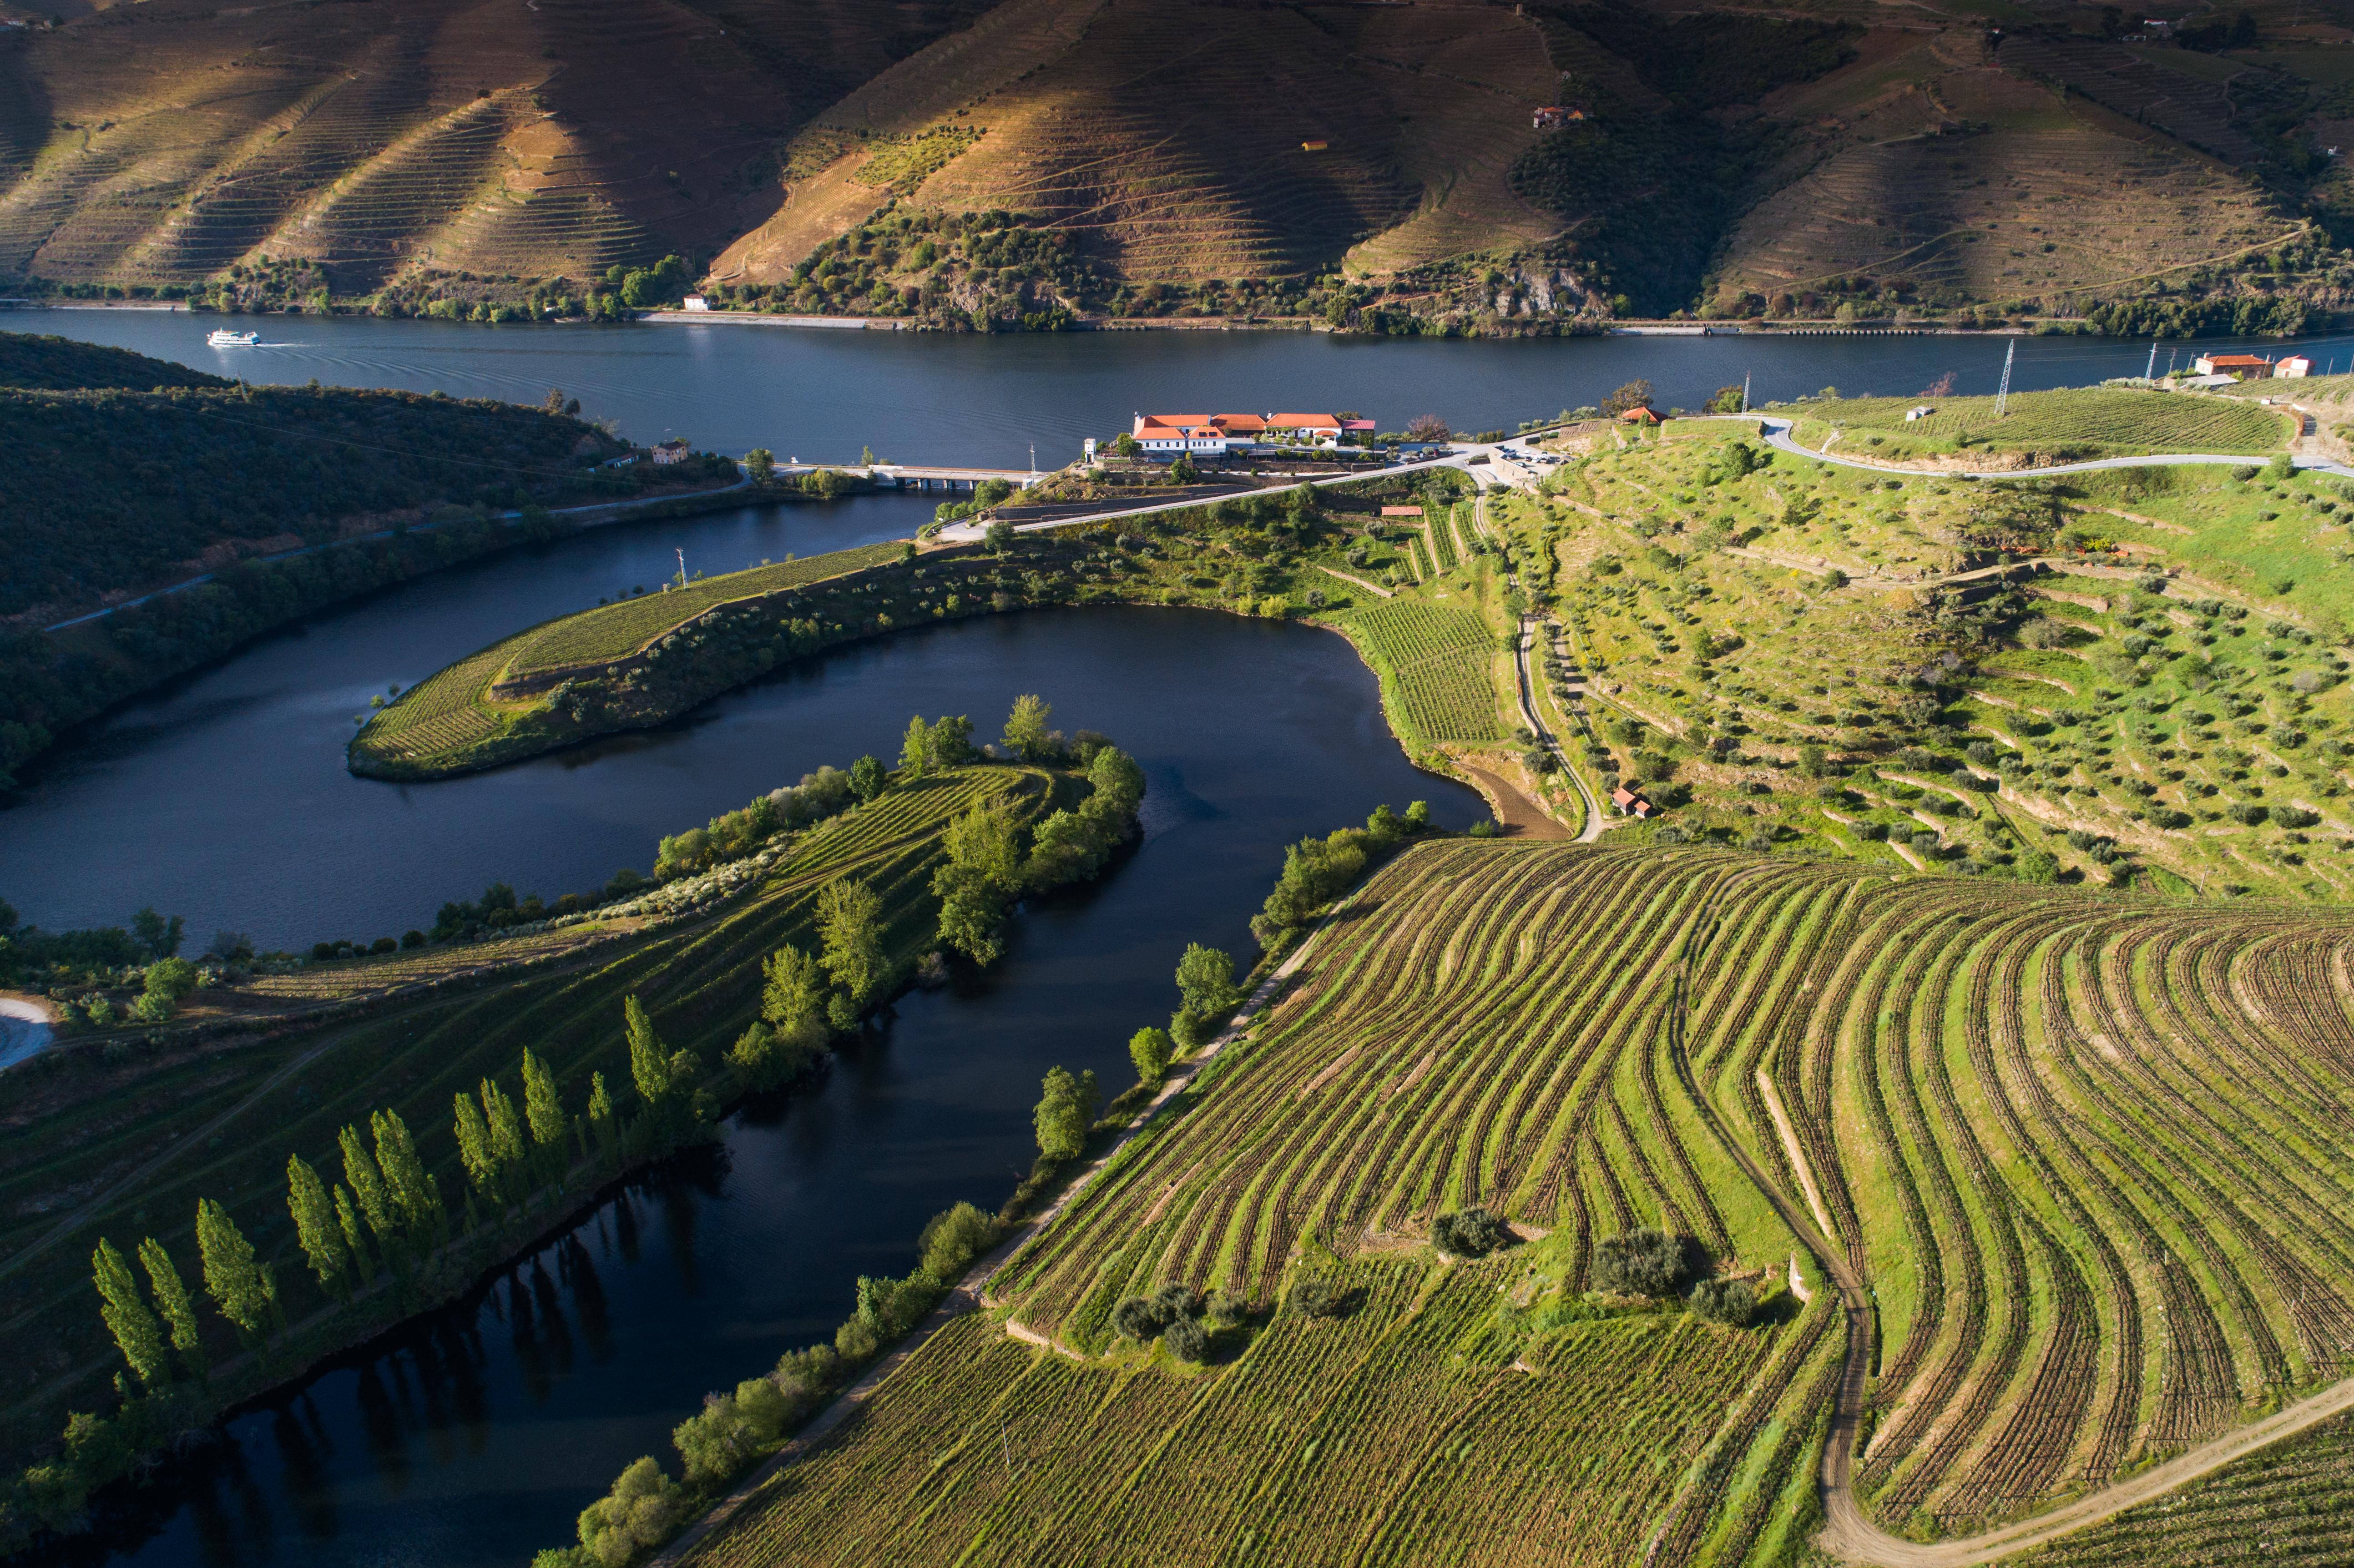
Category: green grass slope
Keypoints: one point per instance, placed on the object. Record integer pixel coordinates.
(2063, 426)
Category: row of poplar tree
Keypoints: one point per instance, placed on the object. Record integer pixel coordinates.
(387, 1216)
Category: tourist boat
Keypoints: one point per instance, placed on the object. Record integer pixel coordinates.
(224, 338)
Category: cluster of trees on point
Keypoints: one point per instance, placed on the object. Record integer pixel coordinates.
(1317, 870)
(817, 484)
(79, 969)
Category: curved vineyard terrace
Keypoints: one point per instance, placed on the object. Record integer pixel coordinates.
(2079, 1103)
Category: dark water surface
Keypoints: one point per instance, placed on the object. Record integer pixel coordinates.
(824, 395)
(223, 797)
(477, 1436)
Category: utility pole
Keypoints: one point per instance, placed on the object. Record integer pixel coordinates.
(1744, 392)
(2151, 372)
(682, 569)
(2002, 397)
(1034, 459)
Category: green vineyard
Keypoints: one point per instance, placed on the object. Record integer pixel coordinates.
(2083, 1151)
(1433, 660)
(2111, 422)
(445, 712)
(699, 977)
(617, 631)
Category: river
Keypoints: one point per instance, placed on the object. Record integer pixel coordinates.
(474, 1436)
(826, 395)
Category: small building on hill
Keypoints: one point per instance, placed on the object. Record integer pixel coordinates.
(1554, 116)
(1629, 803)
(1401, 511)
(1643, 414)
(2245, 366)
(2292, 368)
(672, 450)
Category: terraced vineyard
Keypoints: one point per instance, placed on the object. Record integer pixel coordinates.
(1433, 660)
(700, 978)
(2288, 1504)
(617, 631)
(445, 712)
(2088, 1154)
(2101, 422)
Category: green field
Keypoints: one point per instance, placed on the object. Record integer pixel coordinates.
(1432, 660)
(2080, 1151)
(2079, 423)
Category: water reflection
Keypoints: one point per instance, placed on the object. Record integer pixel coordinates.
(475, 1437)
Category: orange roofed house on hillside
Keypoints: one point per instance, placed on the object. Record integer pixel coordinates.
(1217, 435)
(1640, 415)
(2246, 366)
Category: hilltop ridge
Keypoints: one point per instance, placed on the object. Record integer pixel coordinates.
(1382, 168)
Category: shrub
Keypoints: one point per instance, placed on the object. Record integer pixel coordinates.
(1471, 1233)
(1151, 1049)
(1187, 1339)
(637, 1513)
(1317, 1295)
(1143, 1317)
(1727, 1301)
(1640, 1263)
(2250, 812)
(954, 1238)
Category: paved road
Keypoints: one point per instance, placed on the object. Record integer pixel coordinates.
(969, 531)
(1777, 434)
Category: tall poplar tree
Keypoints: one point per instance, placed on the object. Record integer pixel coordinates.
(171, 1295)
(136, 1333)
(239, 1285)
(316, 1225)
(544, 1109)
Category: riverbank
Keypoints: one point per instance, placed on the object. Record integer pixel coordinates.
(891, 844)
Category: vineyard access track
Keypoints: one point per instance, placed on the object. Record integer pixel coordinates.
(1850, 1532)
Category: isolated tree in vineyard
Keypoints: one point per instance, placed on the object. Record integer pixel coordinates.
(1637, 393)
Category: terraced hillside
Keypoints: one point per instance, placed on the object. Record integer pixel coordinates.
(1962, 180)
(2127, 677)
(2045, 1130)
(1895, 157)
(166, 144)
